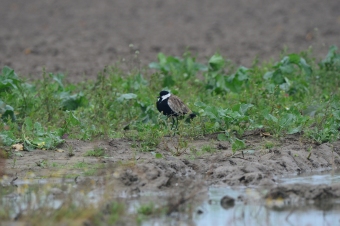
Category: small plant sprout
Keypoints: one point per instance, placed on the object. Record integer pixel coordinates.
(269, 144)
(96, 152)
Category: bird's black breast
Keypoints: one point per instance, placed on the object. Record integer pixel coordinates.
(163, 106)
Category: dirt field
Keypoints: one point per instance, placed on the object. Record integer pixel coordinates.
(80, 37)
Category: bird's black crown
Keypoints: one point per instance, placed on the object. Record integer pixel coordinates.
(163, 92)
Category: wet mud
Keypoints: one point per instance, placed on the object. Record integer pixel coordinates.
(135, 172)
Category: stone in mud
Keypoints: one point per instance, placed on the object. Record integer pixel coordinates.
(152, 174)
(128, 177)
(250, 178)
(227, 202)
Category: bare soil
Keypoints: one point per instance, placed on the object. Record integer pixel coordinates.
(80, 37)
(133, 171)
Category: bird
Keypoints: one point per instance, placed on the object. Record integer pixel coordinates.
(171, 106)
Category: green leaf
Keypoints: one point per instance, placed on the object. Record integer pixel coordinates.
(216, 62)
(157, 155)
(126, 96)
(162, 59)
(28, 145)
(201, 67)
(9, 73)
(306, 67)
(270, 117)
(244, 108)
(7, 111)
(154, 65)
(59, 79)
(28, 124)
(270, 87)
(208, 112)
(35, 136)
(18, 154)
(284, 86)
(311, 110)
(294, 130)
(7, 138)
(237, 144)
(234, 84)
(242, 73)
(72, 102)
(222, 112)
(72, 119)
(287, 69)
(139, 82)
(199, 104)
(278, 77)
(8, 79)
(331, 61)
(294, 58)
(222, 137)
(286, 120)
(168, 81)
(268, 75)
(38, 129)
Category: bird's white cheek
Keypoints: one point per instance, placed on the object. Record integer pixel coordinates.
(165, 96)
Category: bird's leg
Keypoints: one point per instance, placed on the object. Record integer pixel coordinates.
(176, 127)
(173, 122)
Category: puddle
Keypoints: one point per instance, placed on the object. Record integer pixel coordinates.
(256, 212)
(251, 209)
(329, 178)
(244, 205)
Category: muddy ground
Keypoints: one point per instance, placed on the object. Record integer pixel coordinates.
(80, 37)
(133, 172)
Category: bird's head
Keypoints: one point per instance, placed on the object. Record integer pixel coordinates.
(163, 95)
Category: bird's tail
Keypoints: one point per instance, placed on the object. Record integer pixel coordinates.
(192, 115)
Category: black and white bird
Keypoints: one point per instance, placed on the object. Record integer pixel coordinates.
(171, 106)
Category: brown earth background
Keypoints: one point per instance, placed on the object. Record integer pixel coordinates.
(80, 37)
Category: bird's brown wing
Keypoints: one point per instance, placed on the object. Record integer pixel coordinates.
(177, 105)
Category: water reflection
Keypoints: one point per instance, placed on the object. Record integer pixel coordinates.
(327, 177)
(224, 205)
(251, 209)
(255, 211)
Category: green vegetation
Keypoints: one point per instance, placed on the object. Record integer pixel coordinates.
(89, 169)
(295, 95)
(208, 148)
(97, 152)
(269, 144)
(146, 209)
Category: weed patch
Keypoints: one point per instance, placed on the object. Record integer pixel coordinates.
(97, 152)
(294, 95)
